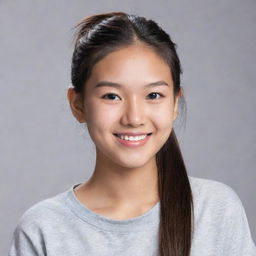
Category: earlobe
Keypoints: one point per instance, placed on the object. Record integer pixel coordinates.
(76, 105)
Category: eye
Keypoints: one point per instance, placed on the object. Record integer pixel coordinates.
(108, 95)
(112, 95)
(154, 93)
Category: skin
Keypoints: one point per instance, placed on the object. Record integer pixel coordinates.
(124, 181)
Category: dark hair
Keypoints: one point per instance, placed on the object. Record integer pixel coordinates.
(104, 33)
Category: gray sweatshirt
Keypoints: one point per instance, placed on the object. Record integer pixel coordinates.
(62, 226)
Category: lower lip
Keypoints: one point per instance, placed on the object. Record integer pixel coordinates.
(129, 143)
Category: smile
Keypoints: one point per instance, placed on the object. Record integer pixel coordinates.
(132, 141)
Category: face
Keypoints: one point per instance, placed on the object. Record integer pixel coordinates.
(131, 106)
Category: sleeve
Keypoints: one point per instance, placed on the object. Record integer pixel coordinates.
(238, 239)
(27, 240)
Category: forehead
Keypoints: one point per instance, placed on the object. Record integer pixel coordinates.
(137, 64)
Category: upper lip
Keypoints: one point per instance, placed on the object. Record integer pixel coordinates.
(132, 133)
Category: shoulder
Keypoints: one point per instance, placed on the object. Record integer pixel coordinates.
(40, 220)
(43, 213)
(215, 195)
(221, 217)
(212, 188)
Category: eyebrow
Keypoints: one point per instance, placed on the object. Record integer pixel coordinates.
(116, 85)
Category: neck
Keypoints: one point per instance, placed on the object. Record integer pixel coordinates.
(115, 185)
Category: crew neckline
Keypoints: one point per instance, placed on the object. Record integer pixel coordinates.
(147, 220)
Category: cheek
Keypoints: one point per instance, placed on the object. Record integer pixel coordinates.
(163, 115)
(100, 117)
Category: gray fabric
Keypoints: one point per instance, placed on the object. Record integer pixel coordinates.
(62, 226)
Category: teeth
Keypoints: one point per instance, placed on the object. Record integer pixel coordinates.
(131, 138)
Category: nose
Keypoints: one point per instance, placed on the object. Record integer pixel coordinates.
(134, 113)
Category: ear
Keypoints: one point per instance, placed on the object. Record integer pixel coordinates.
(76, 105)
(176, 104)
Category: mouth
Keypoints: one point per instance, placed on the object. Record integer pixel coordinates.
(117, 135)
(133, 142)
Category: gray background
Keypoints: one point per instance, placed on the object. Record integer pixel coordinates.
(43, 149)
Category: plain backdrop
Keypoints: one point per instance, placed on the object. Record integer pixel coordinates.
(44, 150)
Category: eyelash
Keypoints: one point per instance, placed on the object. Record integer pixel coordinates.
(149, 94)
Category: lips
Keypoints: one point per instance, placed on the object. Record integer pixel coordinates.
(132, 134)
(133, 143)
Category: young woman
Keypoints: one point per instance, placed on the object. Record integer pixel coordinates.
(139, 200)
